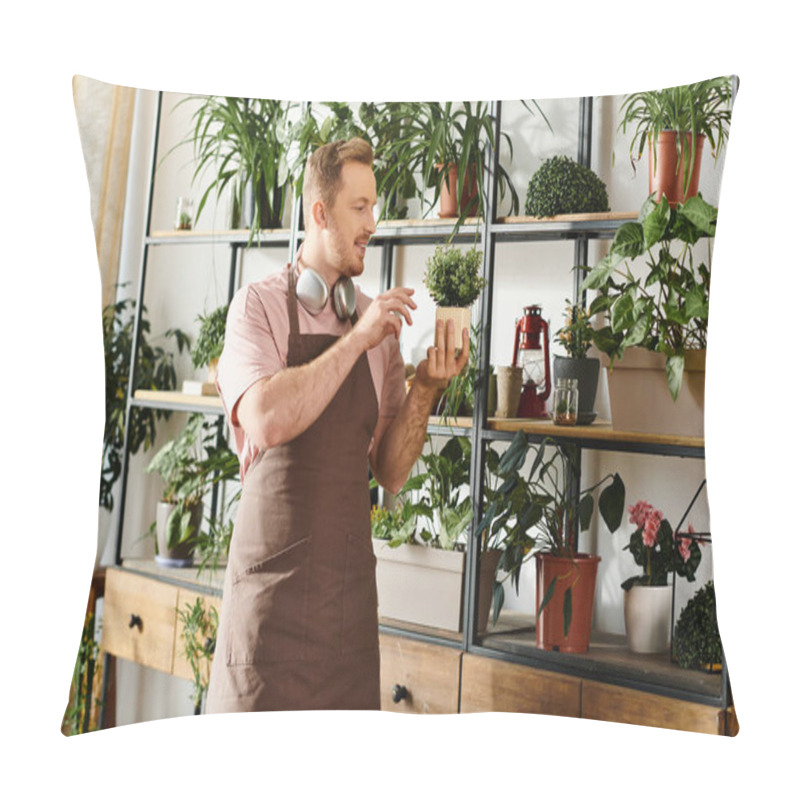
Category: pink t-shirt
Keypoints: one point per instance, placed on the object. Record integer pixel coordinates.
(257, 344)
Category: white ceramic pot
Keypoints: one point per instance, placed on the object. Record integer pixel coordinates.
(648, 617)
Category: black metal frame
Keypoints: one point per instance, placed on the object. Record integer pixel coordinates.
(489, 231)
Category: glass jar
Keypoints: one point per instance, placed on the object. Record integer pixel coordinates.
(565, 402)
(184, 213)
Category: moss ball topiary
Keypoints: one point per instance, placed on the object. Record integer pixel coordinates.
(697, 644)
(562, 186)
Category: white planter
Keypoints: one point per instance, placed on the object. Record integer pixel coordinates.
(647, 618)
(425, 586)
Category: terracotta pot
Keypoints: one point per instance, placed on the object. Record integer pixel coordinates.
(448, 205)
(667, 175)
(648, 615)
(509, 391)
(425, 586)
(182, 555)
(578, 573)
(640, 399)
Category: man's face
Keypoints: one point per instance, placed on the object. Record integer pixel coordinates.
(351, 220)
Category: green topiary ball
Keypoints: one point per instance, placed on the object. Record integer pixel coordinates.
(697, 643)
(562, 186)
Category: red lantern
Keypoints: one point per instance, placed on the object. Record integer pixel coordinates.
(534, 359)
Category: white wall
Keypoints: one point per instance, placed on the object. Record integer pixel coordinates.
(187, 280)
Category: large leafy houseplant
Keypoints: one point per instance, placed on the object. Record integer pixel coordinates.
(664, 310)
(155, 370)
(245, 142)
(702, 108)
(543, 511)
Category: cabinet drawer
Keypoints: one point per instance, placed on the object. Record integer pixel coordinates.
(429, 673)
(615, 704)
(180, 665)
(488, 684)
(151, 605)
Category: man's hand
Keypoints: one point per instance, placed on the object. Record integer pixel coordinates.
(384, 317)
(442, 364)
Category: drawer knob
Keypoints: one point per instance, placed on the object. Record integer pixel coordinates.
(399, 693)
(136, 622)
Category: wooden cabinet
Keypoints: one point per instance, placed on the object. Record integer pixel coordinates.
(488, 684)
(419, 678)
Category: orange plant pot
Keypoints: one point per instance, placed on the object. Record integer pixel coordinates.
(668, 172)
(449, 207)
(578, 573)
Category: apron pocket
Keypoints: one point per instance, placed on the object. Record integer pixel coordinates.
(360, 600)
(269, 606)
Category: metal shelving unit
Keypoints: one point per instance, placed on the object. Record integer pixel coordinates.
(487, 233)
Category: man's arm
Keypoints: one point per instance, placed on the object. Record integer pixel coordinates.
(277, 409)
(400, 444)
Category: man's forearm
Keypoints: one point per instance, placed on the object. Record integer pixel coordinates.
(280, 408)
(402, 442)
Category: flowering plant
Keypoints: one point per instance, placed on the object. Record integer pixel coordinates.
(576, 335)
(654, 547)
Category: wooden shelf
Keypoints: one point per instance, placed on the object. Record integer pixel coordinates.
(177, 401)
(603, 216)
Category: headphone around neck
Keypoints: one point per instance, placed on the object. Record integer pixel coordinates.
(313, 293)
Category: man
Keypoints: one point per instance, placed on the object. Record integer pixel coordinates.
(313, 385)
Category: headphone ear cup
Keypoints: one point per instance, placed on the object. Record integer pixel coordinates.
(344, 298)
(311, 291)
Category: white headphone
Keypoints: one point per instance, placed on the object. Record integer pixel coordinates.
(313, 293)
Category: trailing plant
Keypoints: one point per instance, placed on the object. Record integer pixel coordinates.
(155, 370)
(246, 142)
(654, 547)
(212, 547)
(538, 513)
(562, 186)
(696, 641)
(577, 334)
(695, 108)
(665, 310)
(199, 640)
(77, 716)
(453, 276)
(211, 338)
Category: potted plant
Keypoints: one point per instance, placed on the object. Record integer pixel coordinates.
(454, 281)
(245, 141)
(208, 345)
(697, 643)
(657, 318)
(648, 597)
(186, 476)
(576, 338)
(673, 123)
(421, 542)
(562, 186)
(541, 515)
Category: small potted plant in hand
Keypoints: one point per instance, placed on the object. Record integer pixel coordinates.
(208, 347)
(576, 338)
(648, 596)
(453, 279)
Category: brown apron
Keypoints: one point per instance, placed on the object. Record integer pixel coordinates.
(298, 626)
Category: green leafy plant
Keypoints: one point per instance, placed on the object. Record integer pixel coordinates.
(543, 511)
(246, 142)
(577, 334)
(76, 717)
(654, 547)
(696, 641)
(460, 391)
(695, 108)
(562, 186)
(665, 310)
(155, 370)
(199, 640)
(453, 276)
(211, 338)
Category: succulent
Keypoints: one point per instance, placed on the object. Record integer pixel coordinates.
(696, 643)
(562, 186)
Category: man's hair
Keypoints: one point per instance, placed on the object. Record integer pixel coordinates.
(323, 174)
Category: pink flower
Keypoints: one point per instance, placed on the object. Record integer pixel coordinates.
(639, 513)
(683, 547)
(651, 527)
